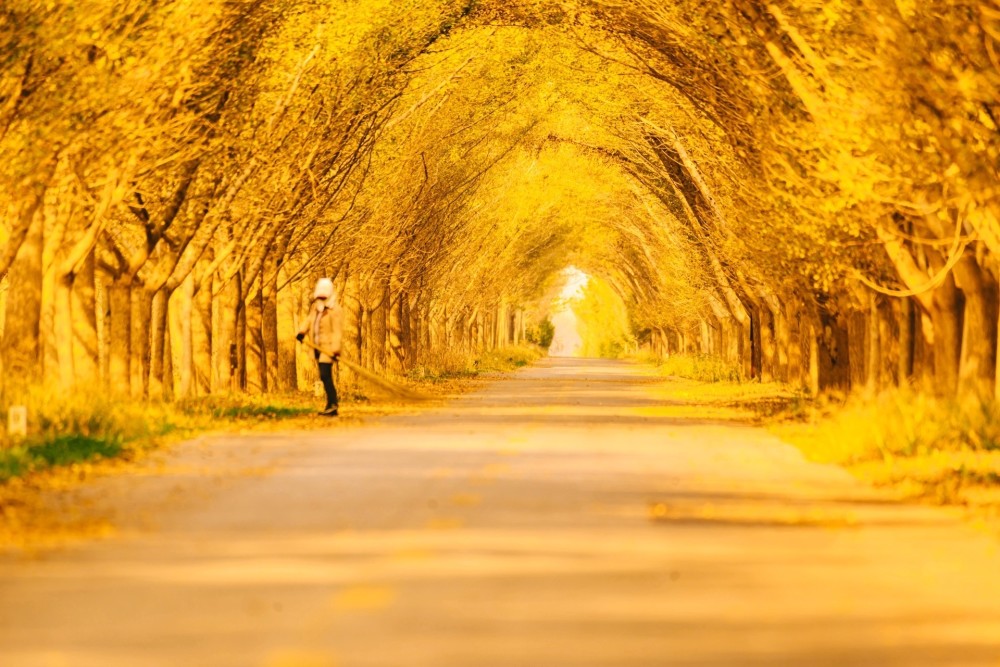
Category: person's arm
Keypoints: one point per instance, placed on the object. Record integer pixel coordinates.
(338, 330)
(306, 323)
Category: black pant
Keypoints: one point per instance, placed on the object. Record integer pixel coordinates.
(326, 375)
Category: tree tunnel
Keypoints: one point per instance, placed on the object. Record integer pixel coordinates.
(808, 190)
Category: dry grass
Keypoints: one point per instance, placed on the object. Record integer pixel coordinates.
(703, 368)
(923, 448)
(449, 364)
(939, 450)
(86, 428)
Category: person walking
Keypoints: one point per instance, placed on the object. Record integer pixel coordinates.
(325, 327)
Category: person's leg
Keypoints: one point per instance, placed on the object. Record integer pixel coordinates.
(331, 390)
(326, 376)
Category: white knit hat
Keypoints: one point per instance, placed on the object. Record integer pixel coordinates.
(324, 289)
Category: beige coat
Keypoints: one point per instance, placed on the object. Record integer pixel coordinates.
(324, 326)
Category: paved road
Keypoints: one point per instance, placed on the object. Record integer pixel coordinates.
(567, 516)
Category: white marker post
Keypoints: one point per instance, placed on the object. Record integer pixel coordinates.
(17, 421)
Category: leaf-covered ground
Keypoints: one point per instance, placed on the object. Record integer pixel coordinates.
(923, 449)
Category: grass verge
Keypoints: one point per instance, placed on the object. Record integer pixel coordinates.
(700, 367)
(942, 451)
(84, 428)
(919, 447)
(445, 365)
(60, 450)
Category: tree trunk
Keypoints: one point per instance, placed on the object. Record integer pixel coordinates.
(395, 352)
(447, 340)
(905, 316)
(119, 338)
(168, 362)
(409, 331)
(52, 337)
(62, 327)
(873, 356)
(978, 356)
(103, 328)
(769, 355)
(352, 319)
(20, 356)
(888, 333)
(456, 331)
(858, 344)
(269, 329)
(201, 341)
(813, 372)
(86, 348)
(780, 333)
(834, 353)
(756, 356)
(160, 380)
(367, 337)
(947, 318)
(380, 329)
(255, 381)
(797, 370)
(416, 325)
(923, 352)
(240, 339)
(139, 332)
(287, 305)
(225, 312)
(182, 311)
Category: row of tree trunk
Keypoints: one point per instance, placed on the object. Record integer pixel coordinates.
(943, 341)
(86, 330)
(83, 330)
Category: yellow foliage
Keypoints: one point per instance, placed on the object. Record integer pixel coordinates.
(602, 322)
(721, 169)
(940, 450)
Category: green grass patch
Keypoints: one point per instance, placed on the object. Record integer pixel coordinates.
(85, 428)
(58, 451)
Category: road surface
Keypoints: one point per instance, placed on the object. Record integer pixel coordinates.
(568, 516)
